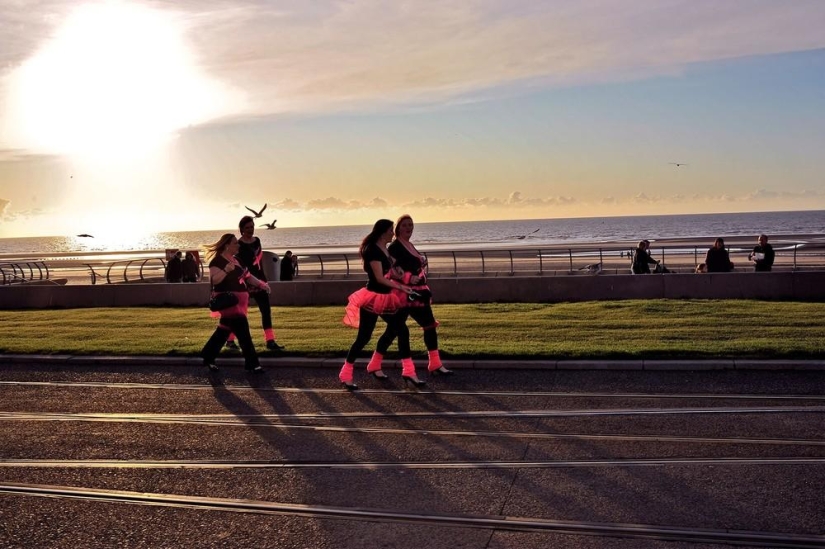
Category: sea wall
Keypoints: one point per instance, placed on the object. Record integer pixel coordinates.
(803, 285)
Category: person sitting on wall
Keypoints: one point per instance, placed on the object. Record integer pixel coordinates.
(641, 259)
(717, 259)
(174, 269)
(762, 255)
(191, 272)
(288, 266)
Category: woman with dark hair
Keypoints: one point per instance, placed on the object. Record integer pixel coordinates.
(717, 259)
(411, 266)
(226, 275)
(381, 297)
(250, 255)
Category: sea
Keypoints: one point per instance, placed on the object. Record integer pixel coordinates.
(463, 234)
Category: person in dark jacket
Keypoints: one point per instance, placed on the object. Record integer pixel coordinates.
(762, 255)
(288, 266)
(717, 259)
(641, 259)
(191, 272)
(174, 269)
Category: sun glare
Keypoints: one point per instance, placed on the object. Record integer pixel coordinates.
(115, 80)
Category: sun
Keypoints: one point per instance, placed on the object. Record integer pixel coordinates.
(115, 80)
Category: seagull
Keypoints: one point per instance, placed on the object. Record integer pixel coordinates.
(523, 236)
(257, 214)
(84, 235)
(269, 226)
(678, 164)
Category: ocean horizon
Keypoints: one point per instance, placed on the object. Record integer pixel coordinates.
(440, 235)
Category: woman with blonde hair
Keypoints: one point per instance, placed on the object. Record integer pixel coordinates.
(227, 276)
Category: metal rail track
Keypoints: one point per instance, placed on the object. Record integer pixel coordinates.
(311, 390)
(404, 465)
(14, 416)
(487, 522)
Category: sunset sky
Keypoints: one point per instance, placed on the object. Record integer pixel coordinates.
(136, 116)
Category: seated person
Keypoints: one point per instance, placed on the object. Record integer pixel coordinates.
(641, 259)
(762, 255)
(717, 259)
(288, 266)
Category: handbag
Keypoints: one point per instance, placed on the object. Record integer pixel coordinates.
(222, 300)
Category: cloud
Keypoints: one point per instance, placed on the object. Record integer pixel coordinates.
(3, 205)
(330, 55)
(287, 204)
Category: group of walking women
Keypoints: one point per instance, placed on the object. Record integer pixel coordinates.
(396, 290)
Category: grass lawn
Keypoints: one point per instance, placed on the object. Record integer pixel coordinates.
(598, 329)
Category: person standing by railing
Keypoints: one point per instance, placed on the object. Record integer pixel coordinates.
(381, 297)
(717, 259)
(250, 255)
(412, 269)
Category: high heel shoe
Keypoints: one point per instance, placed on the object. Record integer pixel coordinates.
(413, 381)
(441, 371)
(349, 386)
(379, 375)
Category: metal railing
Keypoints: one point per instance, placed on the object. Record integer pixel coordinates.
(128, 267)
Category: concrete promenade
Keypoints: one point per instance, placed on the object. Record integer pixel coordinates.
(149, 452)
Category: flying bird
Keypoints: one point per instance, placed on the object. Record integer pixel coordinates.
(84, 235)
(678, 164)
(257, 214)
(269, 226)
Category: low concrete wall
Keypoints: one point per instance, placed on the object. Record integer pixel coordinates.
(807, 286)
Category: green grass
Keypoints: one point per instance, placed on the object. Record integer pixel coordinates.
(603, 329)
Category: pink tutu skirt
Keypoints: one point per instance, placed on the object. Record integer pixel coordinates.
(423, 289)
(380, 304)
(238, 310)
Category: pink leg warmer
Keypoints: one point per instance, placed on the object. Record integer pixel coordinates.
(375, 362)
(435, 361)
(269, 334)
(407, 367)
(346, 372)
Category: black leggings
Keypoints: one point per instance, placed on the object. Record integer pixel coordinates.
(396, 324)
(262, 300)
(423, 316)
(238, 325)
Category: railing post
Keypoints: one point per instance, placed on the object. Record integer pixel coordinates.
(321, 261)
(541, 266)
(455, 265)
(108, 272)
(794, 256)
(483, 270)
(346, 259)
(601, 260)
(512, 270)
(570, 253)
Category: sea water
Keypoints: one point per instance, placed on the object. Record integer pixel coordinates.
(528, 232)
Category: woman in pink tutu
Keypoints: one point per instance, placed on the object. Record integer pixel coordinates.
(227, 275)
(411, 268)
(382, 297)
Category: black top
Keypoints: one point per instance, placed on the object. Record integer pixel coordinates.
(174, 270)
(641, 259)
(374, 253)
(249, 255)
(766, 263)
(408, 262)
(287, 268)
(232, 281)
(717, 260)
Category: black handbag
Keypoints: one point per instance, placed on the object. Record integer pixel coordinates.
(222, 300)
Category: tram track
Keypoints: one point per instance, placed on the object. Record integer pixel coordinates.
(525, 435)
(364, 391)
(487, 522)
(401, 465)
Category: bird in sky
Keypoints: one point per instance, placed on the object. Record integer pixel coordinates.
(678, 164)
(269, 226)
(257, 214)
(84, 235)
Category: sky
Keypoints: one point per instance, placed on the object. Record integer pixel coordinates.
(139, 116)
